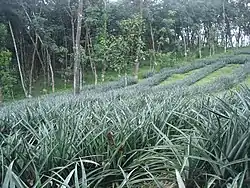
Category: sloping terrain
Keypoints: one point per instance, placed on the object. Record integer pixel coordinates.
(128, 134)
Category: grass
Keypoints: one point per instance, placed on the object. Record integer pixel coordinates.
(247, 81)
(217, 74)
(177, 77)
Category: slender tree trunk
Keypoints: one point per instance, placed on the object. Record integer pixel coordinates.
(48, 72)
(199, 43)
(18, 61)
(31, 72)
(136, 68)
(22, 51)
(210, 38)
(104, 63)
(213, 49)
(225, 45)
(1, 95)
(153, 45)
(126, 80)
(213, 38)
(73, 32)
(216, 42)
(224, 29)
(187, 38)
(228, 29)
(185, 45)
(38, 55)
(66, 65)
(103, 74)
(77, 59)
(138, 56)
(119, 72)
(51, 71)
(238, 37)
(92, 64)
(137, 61)
(72, 25)
(81, 78)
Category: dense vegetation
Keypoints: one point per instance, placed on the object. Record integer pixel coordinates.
(152, 111)
(123, 134)
(53, 41)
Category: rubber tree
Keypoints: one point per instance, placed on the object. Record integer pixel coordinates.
(77, 55)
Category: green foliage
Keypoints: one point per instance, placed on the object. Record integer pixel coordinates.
(178, 77)
(216, 74)
(132, 32)
(101, 51)
(7, 78)
(120, 52)
(165, 59)
(119, 33)
(3, 35)
(119, 59)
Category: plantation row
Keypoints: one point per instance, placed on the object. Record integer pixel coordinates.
(124, 134)
(111, 89)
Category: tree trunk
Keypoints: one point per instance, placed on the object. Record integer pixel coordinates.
(185, 45)
(73, 33)
(238, 37)
(225, 44)
(31, 72)
(136, 68)
(228, 29)
(137, 62)
(213, 39)
(48, 72)
(66, 65)
(92, 64)
(213, 49)
(51, 71)
(210, 39)
(199, 43)
(18, 61)
(39, 56)
(153, 46)
(103, 74)
(81, 78)
(32, 68)
(1, 95)
(224, 29)
(22, 51)
(77, 57)
(138, 53)
(126, 80)
(104, 65)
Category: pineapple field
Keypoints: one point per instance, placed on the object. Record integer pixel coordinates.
(186, 126)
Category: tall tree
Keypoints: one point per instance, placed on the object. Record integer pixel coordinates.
(77, 55)
(18, 61)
